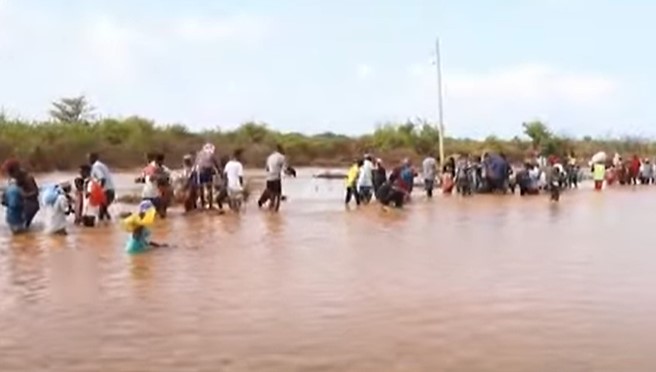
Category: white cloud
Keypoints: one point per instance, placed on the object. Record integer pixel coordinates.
(533, 83)
(245, 28)
(497, 101)
(364, 71)
(120, 48)
(4, 16)
(113, 45)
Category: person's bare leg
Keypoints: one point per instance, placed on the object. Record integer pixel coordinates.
(275, 202)
(263, 198)
(201, 195)
(210, 197)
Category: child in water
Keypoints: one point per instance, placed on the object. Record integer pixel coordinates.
(87, 207)
(138, 223)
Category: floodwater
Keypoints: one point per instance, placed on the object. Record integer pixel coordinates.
(481, 284)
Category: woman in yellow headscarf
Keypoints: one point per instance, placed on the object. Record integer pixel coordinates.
(137, 224)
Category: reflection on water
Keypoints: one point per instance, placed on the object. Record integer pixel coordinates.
(478, 284)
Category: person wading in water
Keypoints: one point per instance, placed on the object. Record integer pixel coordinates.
(429, 170)
(275, 165)
(100, 172)
(207, 167)
(29, 190)
(380, 175)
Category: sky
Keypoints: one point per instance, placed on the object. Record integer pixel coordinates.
(584, 67)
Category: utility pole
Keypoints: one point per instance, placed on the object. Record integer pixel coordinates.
(440, 107)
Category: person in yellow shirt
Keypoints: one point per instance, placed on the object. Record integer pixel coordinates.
(351, 182)
(598, 174)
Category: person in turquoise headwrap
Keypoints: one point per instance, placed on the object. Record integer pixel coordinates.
(137, 224)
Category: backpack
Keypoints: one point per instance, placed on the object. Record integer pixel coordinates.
(50, 195)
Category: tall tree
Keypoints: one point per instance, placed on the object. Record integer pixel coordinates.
(538, 132)
(72, 110)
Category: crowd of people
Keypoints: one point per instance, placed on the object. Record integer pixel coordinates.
(206, 181)
(467, 175)
(490, 173)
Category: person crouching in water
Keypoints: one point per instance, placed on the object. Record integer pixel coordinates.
(394, 191)
(137, 224)
(365, 180)
(58, 204)
(598, 174)
(351, 182)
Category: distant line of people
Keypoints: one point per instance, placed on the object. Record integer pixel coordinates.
(629, 172)
(367, 178)
(490, 173)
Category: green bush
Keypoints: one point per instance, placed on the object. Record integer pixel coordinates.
(57, 145)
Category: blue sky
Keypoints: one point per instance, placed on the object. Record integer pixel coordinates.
(585, 67)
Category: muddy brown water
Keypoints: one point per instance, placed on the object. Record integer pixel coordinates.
(480, 284)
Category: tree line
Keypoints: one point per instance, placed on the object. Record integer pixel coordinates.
(74, 130)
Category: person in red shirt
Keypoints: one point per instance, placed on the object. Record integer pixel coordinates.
(634, 170)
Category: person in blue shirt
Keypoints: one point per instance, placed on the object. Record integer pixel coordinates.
(29, 190)
(12, 199)
(408, 175)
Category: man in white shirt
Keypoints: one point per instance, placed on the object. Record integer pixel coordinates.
(366, 179)
(207, 167)
(234, 174)
(276, 164)
(148, 177)
(100, 172)
(429, 169)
